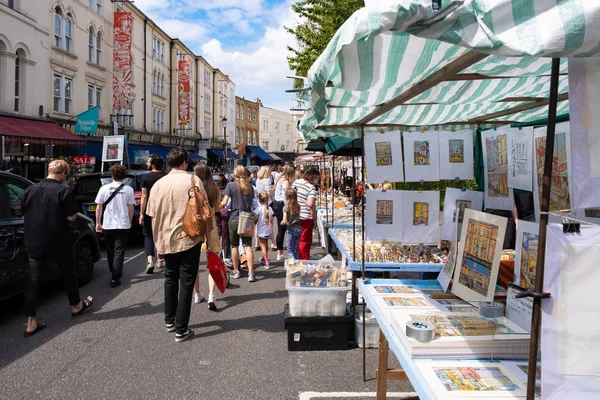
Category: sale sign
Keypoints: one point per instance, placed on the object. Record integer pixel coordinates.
(122, 61)
(84, 160)
(183, 79)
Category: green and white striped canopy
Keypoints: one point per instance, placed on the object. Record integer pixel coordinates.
(492, 58)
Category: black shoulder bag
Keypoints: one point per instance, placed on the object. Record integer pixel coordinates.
(105, 204)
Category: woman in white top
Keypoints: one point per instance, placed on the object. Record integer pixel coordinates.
(264, 183)
(283, 183)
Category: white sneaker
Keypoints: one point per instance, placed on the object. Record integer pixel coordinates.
(198, 298)
(228, 262)
(150, 268)
(280, 257)
(251, 277)
(236, 274)
(211, 303)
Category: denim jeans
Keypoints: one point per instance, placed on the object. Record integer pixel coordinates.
(116, 244)
(181, 270)
(37, 268)
(293, 243)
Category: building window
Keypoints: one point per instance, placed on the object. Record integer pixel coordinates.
(17, 82)
(207, 103)
(265, 145)
(62, 86)
(94, 96)
(207, 78)
(276, 126)
(63, 30)
(255, 137)
(125, 116)
(158, 49)
(92, 46)
(96, 5)
(254, 115)
(158, 120)
(99, 48)
(287, 128)
(206, 128)
(249, 114)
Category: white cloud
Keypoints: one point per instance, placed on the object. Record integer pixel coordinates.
(185, 31)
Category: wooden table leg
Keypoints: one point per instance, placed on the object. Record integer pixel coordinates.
(382, 367)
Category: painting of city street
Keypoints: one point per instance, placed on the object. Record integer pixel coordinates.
(422, 153)
(421, 214)
(497, 166)
(592, 212)
(478, 256)
(529, 248)
(559, 189)
(461, 205)
(475, 379)
(457, 151)
(383, 153)
(385, 212)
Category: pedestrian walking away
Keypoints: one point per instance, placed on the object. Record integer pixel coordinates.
(114, 213)
(47, 209)
(156, 165)
(307, 195)
(284, 182)
(264, 227)
(291, 218)
(167, 206)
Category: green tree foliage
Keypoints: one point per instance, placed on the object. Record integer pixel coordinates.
(320, 19)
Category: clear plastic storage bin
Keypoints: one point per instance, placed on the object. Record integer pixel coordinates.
(317, 302)
(371, 328)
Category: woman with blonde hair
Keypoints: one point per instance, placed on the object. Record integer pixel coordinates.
(242, 198)
(284, 182)
(213, 194)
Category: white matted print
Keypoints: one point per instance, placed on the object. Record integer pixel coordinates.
(561, 189)
(471, 380)
(570, 325)
(455, 203)
(402, 302)
(383, 219)
(498, 196)
(526, 249)
(456, 155)
(383, 156)
(420, 217)
(445, 276)
(479, 253)
(584, 103)
(520, 159)
(421, 156)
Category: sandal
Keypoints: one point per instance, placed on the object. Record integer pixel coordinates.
(85, 304)
(38, 328)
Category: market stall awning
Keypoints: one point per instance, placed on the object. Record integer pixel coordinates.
(399, 65)
(343, 146)
(317, 144)
(40, 131)
(260, 153)
(286, 156)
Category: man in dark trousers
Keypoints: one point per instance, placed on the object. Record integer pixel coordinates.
(155, 165)
(47, 209)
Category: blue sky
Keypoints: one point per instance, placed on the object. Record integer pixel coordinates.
(243, 38)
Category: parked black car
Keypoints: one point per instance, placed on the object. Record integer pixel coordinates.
(14, 261)
(88, 186)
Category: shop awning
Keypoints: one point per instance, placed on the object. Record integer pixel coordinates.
(275, 157)
(196, 157)
(286, 156)
(38, 132)
(398, 65)
(260, 153)
(216, 152)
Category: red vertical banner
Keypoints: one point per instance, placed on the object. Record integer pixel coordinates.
(122, 60)
(183, 79)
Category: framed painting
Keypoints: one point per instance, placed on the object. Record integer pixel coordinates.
(383, 215)
(456, 155)
(498, 196)
(383, 157)
(421, 155)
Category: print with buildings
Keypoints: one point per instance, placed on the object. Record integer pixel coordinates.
(497, 166)
(422, 153)
(478, 256)
(384, 212)
(383, 153)
(559, 189)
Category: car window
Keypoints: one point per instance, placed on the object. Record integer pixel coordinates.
(11, 194)
(88, 186)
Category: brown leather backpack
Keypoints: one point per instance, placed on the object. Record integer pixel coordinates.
(198, 216)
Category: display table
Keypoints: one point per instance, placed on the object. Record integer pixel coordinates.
(381, 267)
(321, 221)
(389, 339)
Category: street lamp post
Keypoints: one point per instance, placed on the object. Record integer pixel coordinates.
(224, 121)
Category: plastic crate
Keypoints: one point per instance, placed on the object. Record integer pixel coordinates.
(315, 274)
(318, 333)
(371, 328)
(317, 302)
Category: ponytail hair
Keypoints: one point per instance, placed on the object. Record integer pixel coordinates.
(239, 173)
(263, 199)
(291, 201)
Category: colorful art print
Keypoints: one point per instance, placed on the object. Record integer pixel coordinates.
(122, 62)
(422, 156)
(395, 289)
(457, 151)
(478, 255)
(438, 294)
(592, 212)
(112, 151)
(529, 249)
(497, 166)
(383, 153)
(449, 266)
(446, 325)
(420, 213)
(461, 205)
(183, 79)
(559, 188)
(475, 379)
(385, 212)
(405, 302)
(520, 157)
(525, 369)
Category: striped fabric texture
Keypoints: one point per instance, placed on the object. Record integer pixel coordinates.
(390, 46)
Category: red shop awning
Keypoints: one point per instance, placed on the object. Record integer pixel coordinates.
(40, 132)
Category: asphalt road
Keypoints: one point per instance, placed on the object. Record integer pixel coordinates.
(122, 350)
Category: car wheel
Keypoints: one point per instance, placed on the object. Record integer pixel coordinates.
(84, 262)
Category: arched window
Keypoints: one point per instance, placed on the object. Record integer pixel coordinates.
(17, 82)
(92, 46)
(162, 84)
(58, 28)
(68, 33)
(155, 82)
(99, 48)
(63, 30)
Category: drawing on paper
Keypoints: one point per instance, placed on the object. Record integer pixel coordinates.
(385, 212)
(448, 269)
(592, 212)
(519, 157)
(461, 205)
(395, 289)
(457, 151)
(383, 153)
(478, 255)
(422, 156)
(497, 166)
(529, 249)
(446, 325)
(474, 379)
(405, 302)
(420, 214)
(525, 369)
(559, 189)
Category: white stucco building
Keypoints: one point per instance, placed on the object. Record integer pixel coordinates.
(278, 131)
